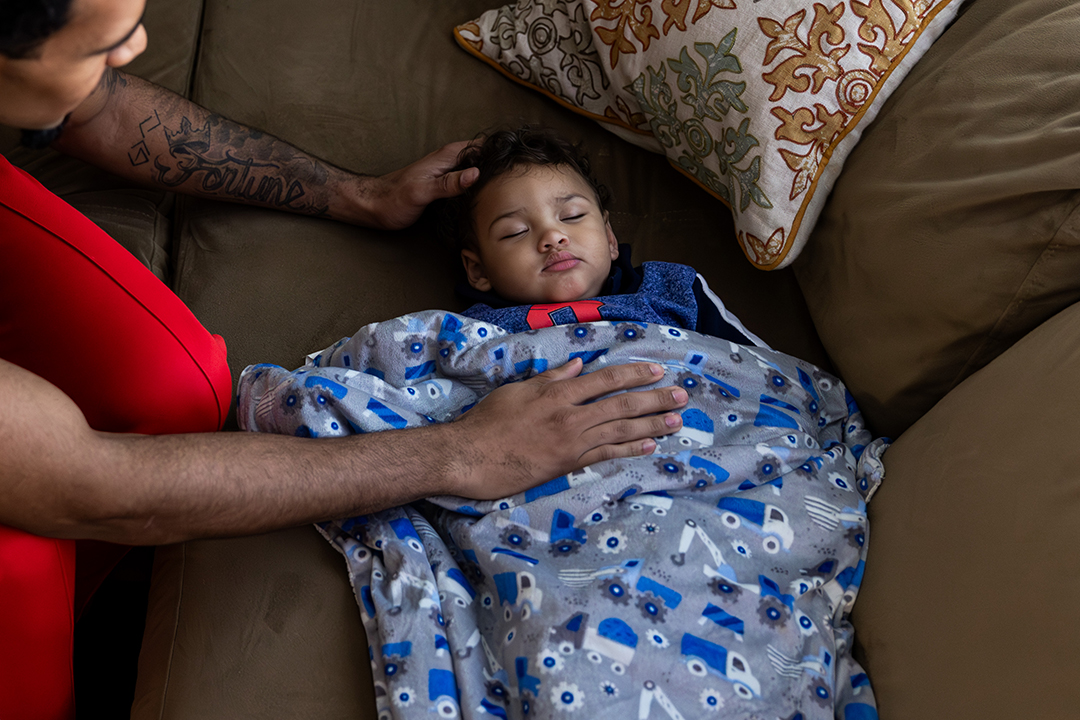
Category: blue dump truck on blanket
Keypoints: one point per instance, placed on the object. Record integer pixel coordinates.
(452, 583)
(443, 692)
(518, 591)
(703, 657)
(611, 638)
(767, 520)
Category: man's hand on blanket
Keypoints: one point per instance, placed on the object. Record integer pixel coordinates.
(529, 432)
(396, 200)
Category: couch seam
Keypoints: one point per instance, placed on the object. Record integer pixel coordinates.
(173, 273)
(177, 253)
(176, 631)
(197, 53)
(1050, 248)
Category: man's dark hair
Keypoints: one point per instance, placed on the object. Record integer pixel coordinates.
(25, 24)
(501, 152)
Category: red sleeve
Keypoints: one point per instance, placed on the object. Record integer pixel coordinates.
(80, 311)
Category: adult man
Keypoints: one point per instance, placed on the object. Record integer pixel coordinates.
(66, 472)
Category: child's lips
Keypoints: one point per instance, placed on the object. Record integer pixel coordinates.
(559, 262)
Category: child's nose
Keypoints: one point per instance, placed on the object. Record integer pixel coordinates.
(552, 238)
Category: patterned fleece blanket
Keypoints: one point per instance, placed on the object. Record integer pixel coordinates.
(712, 579)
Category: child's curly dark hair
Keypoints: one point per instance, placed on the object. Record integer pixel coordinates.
(498, 153)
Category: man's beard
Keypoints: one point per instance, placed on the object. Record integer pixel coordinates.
(41, 139)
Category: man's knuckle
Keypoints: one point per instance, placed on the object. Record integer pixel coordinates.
(555, 392)
(609, 375)
(606, 434)
(607, 452)
(622, 430)
(627, 404)
(563, 417)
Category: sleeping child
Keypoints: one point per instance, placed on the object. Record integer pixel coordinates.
(713, 578)
(538, 248)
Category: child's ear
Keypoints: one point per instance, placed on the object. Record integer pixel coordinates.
(474, 271)
(613, 243)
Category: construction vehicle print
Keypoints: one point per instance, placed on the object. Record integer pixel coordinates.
(650, 693)
(768, 521)
(453, 583)
(443, 693)
(564, 538)
(724, 619)
(404, 530)
(820, 665)
(394, 657)
(401, 580)
(610, 638)
(724, 574)
(719, 568)
(659, 502)
(830, 517)
(703, 657)
(518, 593)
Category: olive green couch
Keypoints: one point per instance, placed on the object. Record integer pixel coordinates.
(941, 284)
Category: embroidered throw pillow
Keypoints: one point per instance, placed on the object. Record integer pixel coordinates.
(759, 103)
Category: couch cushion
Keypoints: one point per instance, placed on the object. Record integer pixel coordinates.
(968, 608)
(372, 87)
(758, 105)
(259, 627)
(954, 227)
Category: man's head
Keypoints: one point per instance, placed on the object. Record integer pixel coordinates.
(533, 227)
(54, 52)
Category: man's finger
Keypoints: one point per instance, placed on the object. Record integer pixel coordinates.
(628, 438)
(629, 430)
(608, 380)
(455, 183)
(453, 149)
(445, 158)
(657, 427)
(569, 369)
(629, 405)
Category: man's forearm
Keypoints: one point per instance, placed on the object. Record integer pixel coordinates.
(58, 477)
(192, 486)
(144, 132)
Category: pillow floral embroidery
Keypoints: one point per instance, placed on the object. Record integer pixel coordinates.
(758, 103)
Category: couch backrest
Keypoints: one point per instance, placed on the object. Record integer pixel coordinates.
(372, 87)
(954, 228)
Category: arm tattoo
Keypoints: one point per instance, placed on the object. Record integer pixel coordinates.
(139, 154)
(111, 80)
(222, 159)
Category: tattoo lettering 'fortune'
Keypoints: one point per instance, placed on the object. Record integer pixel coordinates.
(229, 176)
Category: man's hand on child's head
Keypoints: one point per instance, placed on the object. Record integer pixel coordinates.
(396, 200)
(528, 432)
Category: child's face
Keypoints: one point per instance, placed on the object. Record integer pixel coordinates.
(541, 237)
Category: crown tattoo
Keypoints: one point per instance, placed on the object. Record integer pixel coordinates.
(188, 138)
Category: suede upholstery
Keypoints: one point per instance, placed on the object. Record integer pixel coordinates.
(972, 172)
(949, 238)
(967, 607)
